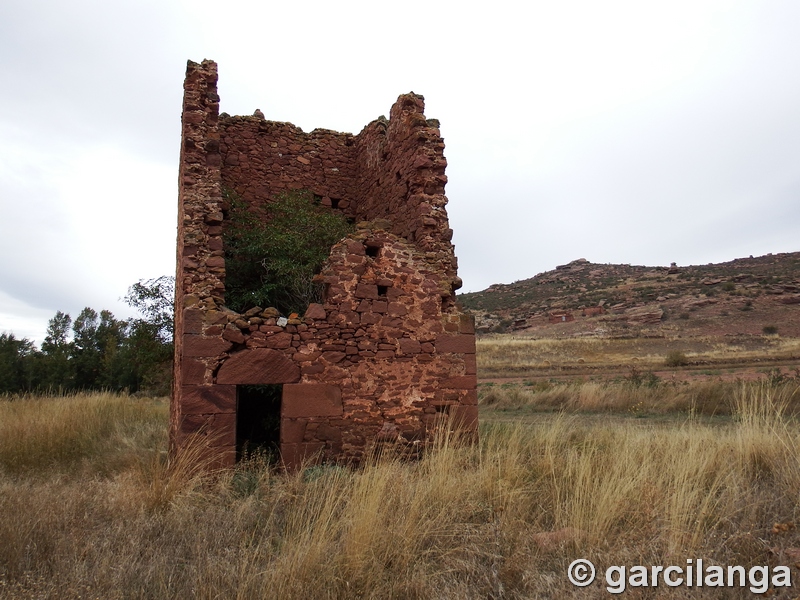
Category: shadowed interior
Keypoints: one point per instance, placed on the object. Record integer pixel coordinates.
(258, 420)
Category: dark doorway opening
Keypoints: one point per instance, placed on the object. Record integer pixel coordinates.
(258, 421)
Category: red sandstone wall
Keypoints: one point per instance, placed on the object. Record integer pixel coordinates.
(392, 170)
(400, 177)
(388, 354)
(200, 274)
(382, 340)
(377, 362)
(261, 158)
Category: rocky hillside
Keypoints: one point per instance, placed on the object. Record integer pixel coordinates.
(746, 296)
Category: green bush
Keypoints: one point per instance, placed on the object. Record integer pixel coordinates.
(676, 358)
(770, 329)
(273, 250)
(638, 379)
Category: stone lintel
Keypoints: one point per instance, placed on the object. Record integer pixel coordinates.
(259, 366)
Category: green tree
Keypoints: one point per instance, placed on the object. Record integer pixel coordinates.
(273, 251)
(155, 299)
(86, 353)
(96, 350)
(17, 364)
(111, 336)
(146, 354)
(57, 372)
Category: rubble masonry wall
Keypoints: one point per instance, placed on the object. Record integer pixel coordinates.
(388, 355)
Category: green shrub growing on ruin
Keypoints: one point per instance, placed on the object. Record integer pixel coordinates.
(273, 251)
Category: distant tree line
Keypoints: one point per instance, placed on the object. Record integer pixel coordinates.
(97, 351)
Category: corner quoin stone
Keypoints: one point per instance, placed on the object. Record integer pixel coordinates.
(209, 399)
(195, 345)
(463, 344)
(217, 429)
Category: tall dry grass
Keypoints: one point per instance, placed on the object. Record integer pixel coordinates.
(642, 395)
(710, 398)
(499, 519)
(38, 433)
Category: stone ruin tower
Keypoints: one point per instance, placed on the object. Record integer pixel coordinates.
(386, 357)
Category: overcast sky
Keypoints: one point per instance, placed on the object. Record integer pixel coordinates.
(623, 132)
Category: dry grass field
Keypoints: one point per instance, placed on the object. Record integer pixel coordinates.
(509, 356)
(89, 507)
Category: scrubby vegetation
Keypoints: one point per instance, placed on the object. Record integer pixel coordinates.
(273, 250)
(676, 358)
(91, 508)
